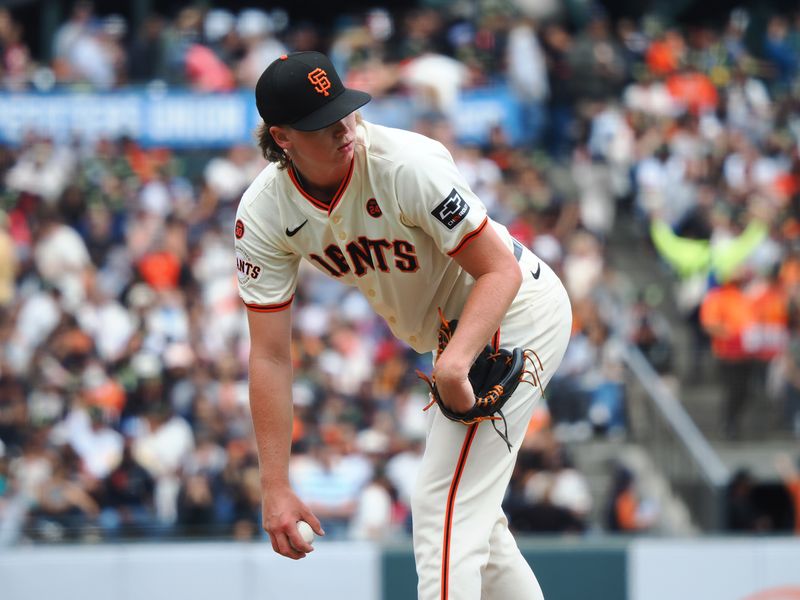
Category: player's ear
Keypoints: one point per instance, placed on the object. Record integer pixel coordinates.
(280, 135)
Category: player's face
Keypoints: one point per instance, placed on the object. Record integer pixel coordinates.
(326, 148)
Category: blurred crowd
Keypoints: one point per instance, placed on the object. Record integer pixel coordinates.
(761, 505)
(123, 344)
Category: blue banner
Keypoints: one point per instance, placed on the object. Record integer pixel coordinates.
(181, 119)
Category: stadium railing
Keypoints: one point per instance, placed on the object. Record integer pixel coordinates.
(664, 428)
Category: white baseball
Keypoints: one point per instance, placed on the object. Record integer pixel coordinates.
(305, 532)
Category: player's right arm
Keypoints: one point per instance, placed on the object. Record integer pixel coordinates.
(272, 413)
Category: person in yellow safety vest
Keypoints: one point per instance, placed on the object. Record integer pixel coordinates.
(689, 257)
(700, 262)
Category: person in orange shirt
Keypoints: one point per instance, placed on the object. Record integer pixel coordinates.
(771, 311)
(665, 54)
(694, 90)
(728, 315)
(625, 512)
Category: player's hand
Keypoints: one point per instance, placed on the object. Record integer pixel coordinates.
(453, 385)
(281, 509)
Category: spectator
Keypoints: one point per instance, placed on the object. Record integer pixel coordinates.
(693, 91)
(789, 381)
(771, 304)
(34, 465)
(656, 178)
(583, 266)
(127, 507)
(195, 505)
(666, 53)
(8, 264)
(95, 55)
(205, 71)
(742, 513)
(13, 411)
(43, 170)
(729, 316)
(377, 516)
(256, 29)
(13, 506)
(219, 32)
(790, 476)
(527, 76)
(146, 57)
(63, 506)
(748, 106)
(557, 45)
(596, 200)
(225, 179)
(326, 486)
(69, 36)
(560, 485)
(62, 260)
(435, 81)
(108, 322)
(247, 507)
(183, 34)
(529, 501)
(596, 60)
(98, 446)
(651, 333)
(626, 512)
(15, 58)
(162, 447)
(779, 50)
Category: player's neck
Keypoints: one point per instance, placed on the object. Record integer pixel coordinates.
(323, 186)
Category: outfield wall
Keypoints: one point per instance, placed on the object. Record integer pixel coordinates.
(715, 569)
(568, 569)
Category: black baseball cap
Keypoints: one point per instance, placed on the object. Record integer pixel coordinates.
(303, 90)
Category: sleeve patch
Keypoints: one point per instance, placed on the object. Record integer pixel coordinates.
(452, 210)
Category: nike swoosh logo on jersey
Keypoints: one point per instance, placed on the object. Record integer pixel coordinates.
(538, 271)
(291, 232)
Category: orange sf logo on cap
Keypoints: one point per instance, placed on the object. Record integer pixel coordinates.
(319, 79)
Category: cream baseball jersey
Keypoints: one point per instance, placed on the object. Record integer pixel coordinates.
(392, 229)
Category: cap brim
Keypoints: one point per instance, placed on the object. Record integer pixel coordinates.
(344, 104)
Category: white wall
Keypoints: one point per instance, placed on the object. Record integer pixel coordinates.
(199, 571)
(715, 569)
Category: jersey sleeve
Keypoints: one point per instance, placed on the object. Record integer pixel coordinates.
(434, 196)
(266, 274)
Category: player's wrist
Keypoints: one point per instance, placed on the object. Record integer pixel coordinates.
(275, 483)
(452, 366)
(448, 376)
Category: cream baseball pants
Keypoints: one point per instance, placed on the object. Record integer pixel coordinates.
(462, 545)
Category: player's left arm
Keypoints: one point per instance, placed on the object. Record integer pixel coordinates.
(497, 280)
